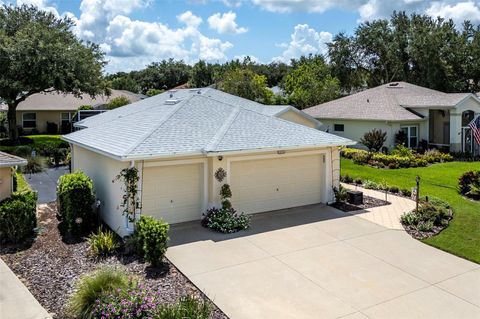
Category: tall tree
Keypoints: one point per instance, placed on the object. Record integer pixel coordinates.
(310, 83)
(202, 75)
(245, 83)
(163, 75)
(40, 53)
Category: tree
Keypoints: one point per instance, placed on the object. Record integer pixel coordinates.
(202, 75)
(163, 75)
(374, 140)
(152, 92)
(40, 53)
(124, 81)
(247, 84)
(310, 83)
(118, 102)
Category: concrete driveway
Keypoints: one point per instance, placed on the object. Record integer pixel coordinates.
(317, 262)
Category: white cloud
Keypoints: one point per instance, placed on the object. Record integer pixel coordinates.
(305, 41)
(189, 19)
(459, 12)
(242, 57)
(318, 6)
(225, 23)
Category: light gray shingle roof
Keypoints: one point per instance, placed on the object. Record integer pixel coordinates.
(198, 124)
(55, 101)
(8, 160)
(181, 94)
(389, 102)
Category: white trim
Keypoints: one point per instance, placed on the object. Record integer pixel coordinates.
(327, 165)
(203, 161)
(300, 113)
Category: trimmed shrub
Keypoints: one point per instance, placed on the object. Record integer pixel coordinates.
(346, 179)
(402, 151)
(225, 220)
(469, 184)
(23, 151)
(374, 140)
(103, 243)
(18, 216)
(94, 286)
(75, 195)
(406, 192)
(186, 307)
(368, 184)
(350, 152)
(393, 189)
(431, 217)
(152, 236)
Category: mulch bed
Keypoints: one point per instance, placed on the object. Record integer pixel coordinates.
(368, 202)
(415, 233)
(49, 268)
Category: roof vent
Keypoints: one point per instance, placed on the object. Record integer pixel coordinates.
(393, 84)
(172, 101)
(199, 92)
(171, 95)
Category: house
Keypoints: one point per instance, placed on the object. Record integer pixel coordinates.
(179, 139)
(7, 162)
(424, 115)
(37, 110)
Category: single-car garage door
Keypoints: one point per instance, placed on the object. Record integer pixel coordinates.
(173, 193)
(270, 184)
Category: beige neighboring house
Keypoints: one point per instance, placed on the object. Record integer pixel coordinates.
(179, 139)
(40, 108)
(7, 163)
(440, 119)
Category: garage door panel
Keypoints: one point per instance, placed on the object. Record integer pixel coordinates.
(271, 184)
(173, 193)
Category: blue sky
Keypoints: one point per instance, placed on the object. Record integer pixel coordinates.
(134, 33)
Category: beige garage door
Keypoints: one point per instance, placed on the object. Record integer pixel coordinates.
(270, 184)
(173, 193)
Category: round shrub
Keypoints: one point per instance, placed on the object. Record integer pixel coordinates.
(76, 197)
(225, 220)
(94, 286)
(152, 236)
(469, 184)
(23, 151)
(18, 216)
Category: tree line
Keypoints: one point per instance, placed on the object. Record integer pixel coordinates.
(419, 49)
(40, 53)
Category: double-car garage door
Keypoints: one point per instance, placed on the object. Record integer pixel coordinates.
(176, 192)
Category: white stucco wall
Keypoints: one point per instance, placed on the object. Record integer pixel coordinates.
(470, 104)
(103, 170)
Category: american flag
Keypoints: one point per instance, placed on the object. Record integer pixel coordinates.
(475, 126)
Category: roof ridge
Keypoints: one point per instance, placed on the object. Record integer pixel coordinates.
(146, 135)
(221, 132)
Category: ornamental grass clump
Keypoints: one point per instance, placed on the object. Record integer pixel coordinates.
(186, 307)
(102, 243)
(93, 287)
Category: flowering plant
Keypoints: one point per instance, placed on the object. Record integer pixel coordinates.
(138, 302)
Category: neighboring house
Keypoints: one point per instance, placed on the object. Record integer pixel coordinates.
(441, 119)
(37, 110)
(7, 162)
(179, 139)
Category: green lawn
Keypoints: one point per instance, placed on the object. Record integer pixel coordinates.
(22, 184)
(462, 237)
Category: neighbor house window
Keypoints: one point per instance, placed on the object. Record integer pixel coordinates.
(29, 120)
(65, 118)
(411, 132)
(338, 127)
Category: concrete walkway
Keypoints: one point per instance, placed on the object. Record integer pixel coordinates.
(16, 302)
(318, 262)
(387, 216)
(45, 183)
